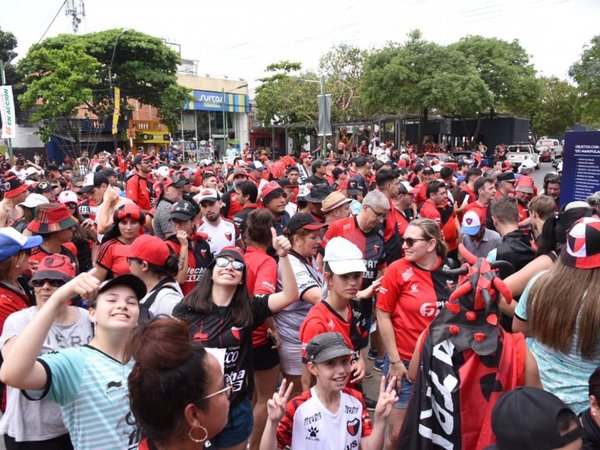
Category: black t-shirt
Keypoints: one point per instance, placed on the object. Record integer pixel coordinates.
(217, 330)
(315, 181)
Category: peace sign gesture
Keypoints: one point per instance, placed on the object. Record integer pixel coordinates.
(276, 405)
(387, 398)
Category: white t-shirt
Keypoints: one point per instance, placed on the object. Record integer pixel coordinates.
(166, 299)
(26, 420)
(220, 235)
(308, 425)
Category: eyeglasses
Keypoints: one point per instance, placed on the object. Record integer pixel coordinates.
(226, 390)
(380, 215)
(411, 241)
(223, 262)
(52, 283)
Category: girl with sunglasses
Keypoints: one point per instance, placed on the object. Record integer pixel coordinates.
(128, 224)
(413, 290)
(27, 423)
(222, 316)
(189, 404)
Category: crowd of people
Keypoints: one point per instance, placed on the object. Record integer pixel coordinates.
(146, 303)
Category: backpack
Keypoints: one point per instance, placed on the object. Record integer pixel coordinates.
(145, 314)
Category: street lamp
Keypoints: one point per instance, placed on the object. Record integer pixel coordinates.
(110, 80)
(225, 137)
(321, 83)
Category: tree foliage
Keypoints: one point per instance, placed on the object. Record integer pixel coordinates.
(556, 109)
(586, 72)
(342, 67)
(143, 67)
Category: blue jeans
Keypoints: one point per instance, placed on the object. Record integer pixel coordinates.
(406, 386)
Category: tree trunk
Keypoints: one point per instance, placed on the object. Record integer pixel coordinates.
(477, 130)
(422, 128)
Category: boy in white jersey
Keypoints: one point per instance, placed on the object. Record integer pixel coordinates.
(329, 416)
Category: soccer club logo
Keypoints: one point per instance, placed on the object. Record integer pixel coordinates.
(353, 426)
(469, 220)
(376, 248)
(228, 236)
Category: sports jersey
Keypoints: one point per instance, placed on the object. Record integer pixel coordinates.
(26, 420)
(413, 297)
(261, 278)
(91, 388)
(11, 300)
(241, 217)
(109, 259)
(199, 258)
(139, 190)
(220, 235)
(290, 318)
(323, 319)
(231, 206)
(308, 425)
(370, 244)
(217, 330)
(430, 211)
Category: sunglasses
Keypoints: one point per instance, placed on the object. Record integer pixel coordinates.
(224, 262)
(53, 283)
(411, 241)
(226, 390)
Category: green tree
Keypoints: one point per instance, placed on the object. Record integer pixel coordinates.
(419, 77)
(143, 67)
(8, 43)
(342, 67)
(556, 109)
(286, 97)
(586, 73)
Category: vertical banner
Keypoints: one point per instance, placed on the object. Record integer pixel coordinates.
(7, 113)
(115, 121)
(581, 166)
(324, 114)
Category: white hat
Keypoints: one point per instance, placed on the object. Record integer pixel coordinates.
(67, 197)
(207, 194)
(163, 171)
(33, 200)
(528, 164)
(471, 223)
(343, 256)
(31, 171)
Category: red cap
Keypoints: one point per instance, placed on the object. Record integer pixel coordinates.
(304, 155)
(147, 248)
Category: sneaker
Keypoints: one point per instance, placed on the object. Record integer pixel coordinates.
(370, 403)
(378, 365)
(372, 355)
(368, 374)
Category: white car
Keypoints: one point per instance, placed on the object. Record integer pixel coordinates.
(556, 150)
(517, 153)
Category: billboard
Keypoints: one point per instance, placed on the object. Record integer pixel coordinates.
(581, 166)
(7, 113)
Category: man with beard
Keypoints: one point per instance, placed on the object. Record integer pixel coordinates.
(139, 187)
(274, 199)
(221, 232)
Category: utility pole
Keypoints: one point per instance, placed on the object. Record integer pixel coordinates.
(9, 140)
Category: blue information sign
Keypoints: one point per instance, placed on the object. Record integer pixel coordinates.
(581, 166)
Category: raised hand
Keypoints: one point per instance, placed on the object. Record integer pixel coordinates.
(387, 398)
(276, 405)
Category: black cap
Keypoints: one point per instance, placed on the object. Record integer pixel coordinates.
(325, 347)
(286, 182)
(108, 172)
(526, 419)
(51, 166)
(318, 193)
(42, 186)
(506, 176)
(303, 220)
(183, 210)
(428, 170)
(129, 280)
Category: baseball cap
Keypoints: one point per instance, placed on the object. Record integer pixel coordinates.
(582, 249)
(270, 191)
(183, 210)
(208, 195)
(407, 187)
(286, 182)
(148, 248)
(108, 172)
(12, 187)
(128, 280)
(177, 183)
(138, 159)
(12, 242)
(304, 155)
(325, 347)
(506, 176)
(429, 170)
(471, 224)
(239, 171)
(233, 252)
(55, 267)
(257, 165)
(67, 197)
(528, 164)
(333, 201)
(526, 419)
(93, 180)
(343, 256)
(34, 200)
(303, 220)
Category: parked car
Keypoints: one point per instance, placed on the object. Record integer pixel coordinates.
(443, 158)
(556, 150)
(464, 155)
(517, 153)
(545, 154)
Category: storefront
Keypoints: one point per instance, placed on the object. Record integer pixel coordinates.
(219, 113)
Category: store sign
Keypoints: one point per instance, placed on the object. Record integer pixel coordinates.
(7, 113)
(581, 166)
(152, 137)
(218, 101)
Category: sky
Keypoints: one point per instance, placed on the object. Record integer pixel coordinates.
(238, 39)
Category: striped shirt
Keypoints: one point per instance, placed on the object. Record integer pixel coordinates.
(91, 388)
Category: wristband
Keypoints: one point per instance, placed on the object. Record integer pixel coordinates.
(395, 362)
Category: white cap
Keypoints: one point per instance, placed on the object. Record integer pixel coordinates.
(31, 171)
(67, 197)
(528, 164)
(33, 200)
(163, 171)
(343, 256)
(470, 223)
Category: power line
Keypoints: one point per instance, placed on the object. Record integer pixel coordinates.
(55, 16)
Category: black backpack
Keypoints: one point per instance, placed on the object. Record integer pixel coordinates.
(145, 314)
